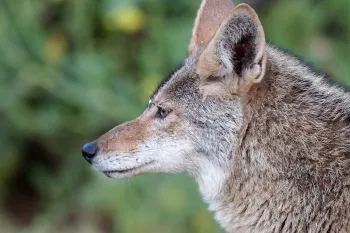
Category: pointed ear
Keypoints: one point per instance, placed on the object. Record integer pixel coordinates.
(210, 16)
(235, 59)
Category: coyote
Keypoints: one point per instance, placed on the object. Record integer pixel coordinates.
(265, 137)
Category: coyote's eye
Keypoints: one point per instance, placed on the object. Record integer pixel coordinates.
(162, 113)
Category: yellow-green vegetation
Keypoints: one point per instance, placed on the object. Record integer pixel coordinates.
(72, 69)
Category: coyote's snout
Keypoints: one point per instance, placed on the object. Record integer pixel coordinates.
(154, 142)
(267, 140)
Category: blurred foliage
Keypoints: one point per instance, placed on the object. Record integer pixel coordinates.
(71, 70)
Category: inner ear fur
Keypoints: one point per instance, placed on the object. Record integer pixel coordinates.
(235, 58)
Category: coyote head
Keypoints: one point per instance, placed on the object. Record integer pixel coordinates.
(266, 138)
(193, 121)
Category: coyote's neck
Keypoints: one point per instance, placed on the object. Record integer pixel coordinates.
(237, 198)
(237, 202)
(246, 201)
(211, 180)
(290, 171)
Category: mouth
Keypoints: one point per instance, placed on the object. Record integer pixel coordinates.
(124, 171)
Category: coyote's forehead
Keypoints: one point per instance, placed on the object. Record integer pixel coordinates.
(181, 87)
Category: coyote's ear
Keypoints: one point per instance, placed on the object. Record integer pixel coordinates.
(210, 16)
(235, 59)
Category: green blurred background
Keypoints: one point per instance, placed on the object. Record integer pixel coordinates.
(72, 69)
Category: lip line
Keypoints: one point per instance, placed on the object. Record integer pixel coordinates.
(126, 170)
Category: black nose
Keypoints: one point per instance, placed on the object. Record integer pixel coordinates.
(89, 151)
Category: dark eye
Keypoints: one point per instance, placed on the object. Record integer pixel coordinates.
(162, 113)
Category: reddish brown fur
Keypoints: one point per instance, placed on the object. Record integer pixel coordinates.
(130, 136)
(127, 137)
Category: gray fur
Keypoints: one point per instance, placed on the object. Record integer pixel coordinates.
(290, 171)
(274, 158)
